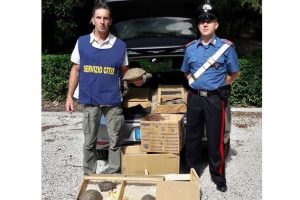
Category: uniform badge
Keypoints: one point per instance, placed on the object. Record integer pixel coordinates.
(216, 65)
(214, 42)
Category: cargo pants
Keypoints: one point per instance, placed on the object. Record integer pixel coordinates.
(91, 120)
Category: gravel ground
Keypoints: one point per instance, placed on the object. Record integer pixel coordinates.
(62, 140)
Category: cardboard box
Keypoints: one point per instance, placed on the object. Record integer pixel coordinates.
(171, 108)
(167, 96)
(132, 149)
(162, 133)
(137, 96)
(153, 164)
(179, 190)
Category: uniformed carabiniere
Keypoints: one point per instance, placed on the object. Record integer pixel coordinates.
(209, 64)
(99, 60)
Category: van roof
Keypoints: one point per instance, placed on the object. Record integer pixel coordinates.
(129, 9)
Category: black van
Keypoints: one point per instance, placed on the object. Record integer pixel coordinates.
(155, 31)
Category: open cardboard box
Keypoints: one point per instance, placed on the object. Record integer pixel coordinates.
(169, 93)
(135, 162)
(167, 187)
(179, 187)
(137, 96)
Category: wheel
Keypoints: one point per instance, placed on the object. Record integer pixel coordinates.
(102, 154)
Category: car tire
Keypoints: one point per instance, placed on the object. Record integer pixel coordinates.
(227, 148)
(102, 154)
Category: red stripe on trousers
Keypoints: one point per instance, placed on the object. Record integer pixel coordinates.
(222, 139)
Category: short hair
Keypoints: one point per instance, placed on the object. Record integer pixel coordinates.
(100, 6)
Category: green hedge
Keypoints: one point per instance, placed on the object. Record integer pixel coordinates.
(246, 90)
(55, 76)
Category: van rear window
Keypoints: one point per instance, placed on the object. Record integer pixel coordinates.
(154, 27)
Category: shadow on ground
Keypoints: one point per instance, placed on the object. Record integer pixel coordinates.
(204, 160)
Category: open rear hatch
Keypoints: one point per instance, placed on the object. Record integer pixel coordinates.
(154, 27)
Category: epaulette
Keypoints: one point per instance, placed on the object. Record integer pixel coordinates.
(188, 44)
(227, 42)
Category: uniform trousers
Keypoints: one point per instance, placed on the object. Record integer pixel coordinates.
(206, 112)
(91, 120)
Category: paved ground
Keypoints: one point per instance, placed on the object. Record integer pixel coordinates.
(62, 157)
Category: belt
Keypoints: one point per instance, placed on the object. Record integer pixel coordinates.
(204, 93)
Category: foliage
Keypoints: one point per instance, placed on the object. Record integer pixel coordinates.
(64, 20)
(60, 24)
(58, 27)
(55, 75)
(239, 18)
(246, 90)
(256, 4)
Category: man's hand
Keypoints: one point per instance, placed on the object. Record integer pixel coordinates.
(69, 105)
(231, 77)
(73, 82)
(187, 75)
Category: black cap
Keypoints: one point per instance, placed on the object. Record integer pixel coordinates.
(205, 17)
(207, 14)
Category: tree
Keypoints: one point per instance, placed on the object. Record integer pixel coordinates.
(256, 4)
(64, 20)
(239, 18)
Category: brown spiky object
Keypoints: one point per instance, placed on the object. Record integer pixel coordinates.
(148, 197)
(91, 195)
(106, 186)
